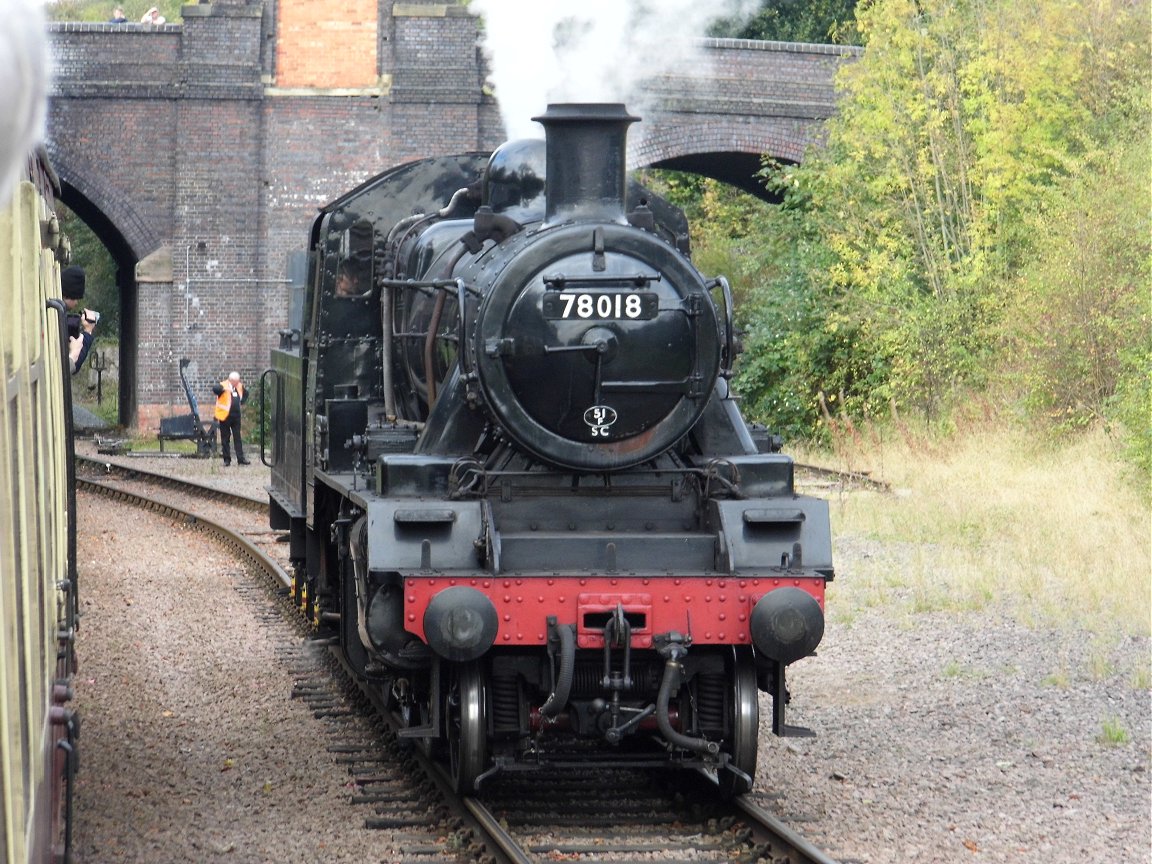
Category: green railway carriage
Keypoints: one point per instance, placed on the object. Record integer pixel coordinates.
(37, 530)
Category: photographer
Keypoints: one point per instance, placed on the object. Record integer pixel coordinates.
(81, 327)
(230, 396)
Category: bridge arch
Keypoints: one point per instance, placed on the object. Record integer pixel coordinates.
(91, 191)
(124, 230)
(731, 152)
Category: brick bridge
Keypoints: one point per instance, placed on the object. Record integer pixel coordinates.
(199, 152)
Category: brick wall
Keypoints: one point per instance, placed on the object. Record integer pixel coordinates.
(316, 50)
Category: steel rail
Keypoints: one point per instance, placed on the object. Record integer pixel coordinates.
(234, 539)
(109, 469)
(795, 849)
(484, 823)
(514, 853)
(500, 846)
(846, 476)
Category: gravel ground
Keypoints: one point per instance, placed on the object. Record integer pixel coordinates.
(941, 737)
(191, 748)
(940, 741)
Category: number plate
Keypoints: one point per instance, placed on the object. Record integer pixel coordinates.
(601, 305)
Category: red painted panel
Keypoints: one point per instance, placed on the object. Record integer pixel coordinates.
(713, 610)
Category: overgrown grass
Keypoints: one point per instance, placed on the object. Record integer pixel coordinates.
(1058, 534)
(1112, 733)
(107, 408)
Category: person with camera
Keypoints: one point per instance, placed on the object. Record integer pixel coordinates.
(229, 397)
(81, 326)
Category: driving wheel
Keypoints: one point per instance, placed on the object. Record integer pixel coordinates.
(743, 706)
(465, 725)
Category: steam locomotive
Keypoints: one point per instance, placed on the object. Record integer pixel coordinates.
(519, 493)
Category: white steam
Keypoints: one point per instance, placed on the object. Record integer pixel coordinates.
(24, 77)
(542, 51)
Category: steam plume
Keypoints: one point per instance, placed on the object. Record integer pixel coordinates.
(24, 76)
(542, 51)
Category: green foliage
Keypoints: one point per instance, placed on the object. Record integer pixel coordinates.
(820, 21)
(792, 356)
(931, 221)
(924, 173)
(798, 356)
(1112, 732)
(1080, 334)
(101, 292)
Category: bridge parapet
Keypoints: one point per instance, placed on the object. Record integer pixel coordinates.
(214, 54)
(115, 61)
(745, 78)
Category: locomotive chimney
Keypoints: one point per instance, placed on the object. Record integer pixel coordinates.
(586, 160)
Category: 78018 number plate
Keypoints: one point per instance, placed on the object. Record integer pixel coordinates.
(601, 305)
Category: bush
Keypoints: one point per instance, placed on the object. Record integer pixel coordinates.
(1080, 333)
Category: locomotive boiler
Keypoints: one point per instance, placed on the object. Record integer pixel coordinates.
(519, 493)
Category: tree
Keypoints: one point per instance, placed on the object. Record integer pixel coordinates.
(820, 21)
(952, 124)
(1078, 340)
(963, 135)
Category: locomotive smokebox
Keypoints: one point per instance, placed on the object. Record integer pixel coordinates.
(460, 624)
(787, 624)
(586, 172)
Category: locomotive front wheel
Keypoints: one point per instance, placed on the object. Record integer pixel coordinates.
(465, 725)
(744, 717)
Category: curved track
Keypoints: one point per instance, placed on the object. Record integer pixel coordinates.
(598, 815)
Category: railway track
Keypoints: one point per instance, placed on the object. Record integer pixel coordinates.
(623, 815)
(817, 476)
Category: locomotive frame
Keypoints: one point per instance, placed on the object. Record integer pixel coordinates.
(519, 493)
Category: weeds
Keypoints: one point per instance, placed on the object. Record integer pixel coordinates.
(986, 515)
(1113, 733)
(1058, 679)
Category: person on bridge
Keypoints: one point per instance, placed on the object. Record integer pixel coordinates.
(153, 16)
(118, 16)
(229, 397)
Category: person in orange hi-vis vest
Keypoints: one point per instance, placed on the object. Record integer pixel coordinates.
(229, 397)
